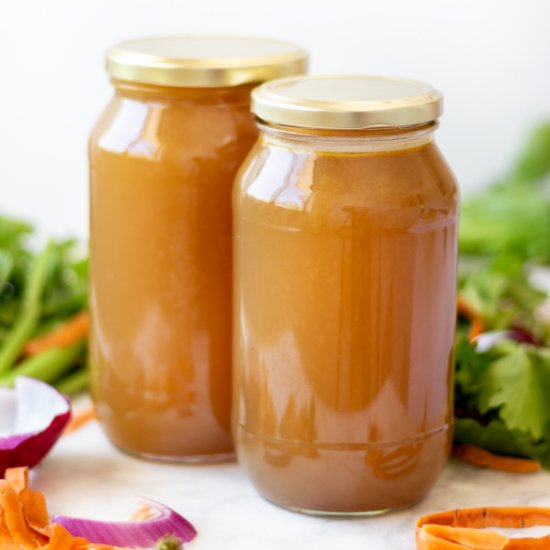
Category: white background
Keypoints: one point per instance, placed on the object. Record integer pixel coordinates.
(491, 58)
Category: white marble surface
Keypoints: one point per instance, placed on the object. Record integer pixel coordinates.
(85, 476)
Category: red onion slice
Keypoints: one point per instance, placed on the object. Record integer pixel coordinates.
(132, 534)
(32, 417)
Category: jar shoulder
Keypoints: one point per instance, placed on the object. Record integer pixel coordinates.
(138, 128)
(400, 187)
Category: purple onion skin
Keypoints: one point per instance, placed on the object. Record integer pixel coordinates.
(487, 340)
(131, 534)
(524, 337)
(30, 449)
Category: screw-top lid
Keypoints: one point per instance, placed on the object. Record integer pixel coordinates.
(204, 61)
(346, 102)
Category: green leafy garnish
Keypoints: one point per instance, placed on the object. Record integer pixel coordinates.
(40, 289)
(497, 438)
(517, 385)
(501, 401)
(513, 216)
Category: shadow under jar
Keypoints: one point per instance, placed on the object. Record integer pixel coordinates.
(163, 157)
(345, 251)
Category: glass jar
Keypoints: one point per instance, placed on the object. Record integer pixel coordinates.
(163, 157)
(345, 251)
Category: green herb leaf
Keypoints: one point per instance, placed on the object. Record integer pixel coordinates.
(518, 385)
(513, 216)
(501, 293)
(534, 162)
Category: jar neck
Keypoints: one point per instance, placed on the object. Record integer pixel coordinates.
(347, 141)
(234, 95)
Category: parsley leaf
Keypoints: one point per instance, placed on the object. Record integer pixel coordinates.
(518, 385)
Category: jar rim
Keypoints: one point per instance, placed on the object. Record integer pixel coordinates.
(204, 61)
(346, 102)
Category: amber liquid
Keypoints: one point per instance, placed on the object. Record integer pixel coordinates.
(162, 164)
(344, 322)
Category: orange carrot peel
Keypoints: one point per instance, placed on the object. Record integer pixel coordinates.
(477, 325)
(465, 529)
(68, 333)
(480, 457)
(80, 419)
(24, 519)
(26, 525)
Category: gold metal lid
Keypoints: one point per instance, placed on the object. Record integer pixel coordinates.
(346, 102)
(204, 61)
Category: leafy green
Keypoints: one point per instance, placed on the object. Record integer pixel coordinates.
(40, 288)
(534, 162)
(497, 438)
(13, 234)
(513, 216)
(511, 219)
(517, 384)
(29, 311)
(501, 392)
(471, 366)
(500, 292)
(501, 399)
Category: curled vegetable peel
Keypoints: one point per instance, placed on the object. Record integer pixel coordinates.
(25, 524)
(464, 529)
(32, 417)
(134, 534)
(480, 457)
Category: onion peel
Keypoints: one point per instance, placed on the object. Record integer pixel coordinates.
(25, 524)
(133, 534)
(33, 416)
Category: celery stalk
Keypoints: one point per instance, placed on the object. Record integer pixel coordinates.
(29, 313)
(47, 366)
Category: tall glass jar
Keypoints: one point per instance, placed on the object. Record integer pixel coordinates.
(345, 249)
(163, 157)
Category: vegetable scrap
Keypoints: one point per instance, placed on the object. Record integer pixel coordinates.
(464, 529)
(80, 419)
(33, 416)
(43, 299)
(512, 216)
(25, 524)
(464, 309)
(480, 457)
(70, 332)
(152, 529)
(502, 351)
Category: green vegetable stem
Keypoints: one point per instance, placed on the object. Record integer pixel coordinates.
(48, 366)
(74, 383)
(29, 312)
(39, 292)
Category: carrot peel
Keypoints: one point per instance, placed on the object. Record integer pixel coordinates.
(68, 333)
(477, 325)
(480, 457)
(25, 524)
(81, 419)
(464, 529)
(24, 519)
